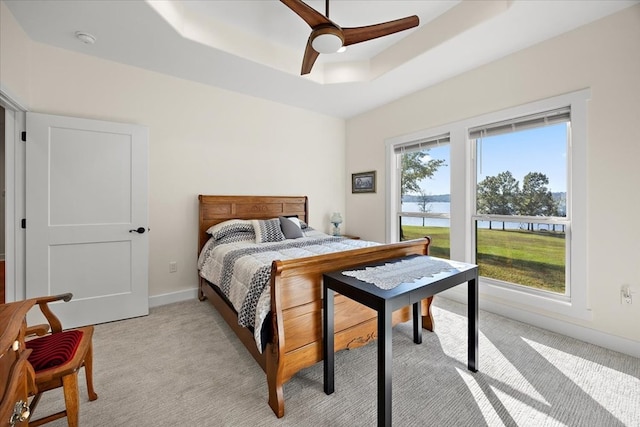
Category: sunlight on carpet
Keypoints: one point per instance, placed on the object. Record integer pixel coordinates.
(589, 376)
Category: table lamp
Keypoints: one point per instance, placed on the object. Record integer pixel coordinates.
(336, 220)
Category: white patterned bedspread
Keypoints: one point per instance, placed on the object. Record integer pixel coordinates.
(242, 270)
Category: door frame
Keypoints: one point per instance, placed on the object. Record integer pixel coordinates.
(15, 268)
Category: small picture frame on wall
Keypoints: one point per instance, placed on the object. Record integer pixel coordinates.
(363, 182)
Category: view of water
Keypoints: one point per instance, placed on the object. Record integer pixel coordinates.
(435, 207)
(444, 207)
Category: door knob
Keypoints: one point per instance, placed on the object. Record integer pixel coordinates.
(139, 230)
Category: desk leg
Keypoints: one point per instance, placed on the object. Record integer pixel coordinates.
(385, 360)
(472, 332)
(328, 353)
(417, 315)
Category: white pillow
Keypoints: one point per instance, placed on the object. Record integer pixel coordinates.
(233, 230)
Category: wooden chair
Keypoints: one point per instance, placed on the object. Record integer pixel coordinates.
(57, 356)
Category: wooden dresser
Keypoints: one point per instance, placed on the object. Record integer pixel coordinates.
(16, 374)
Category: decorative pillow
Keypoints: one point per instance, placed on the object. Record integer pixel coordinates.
(290, 227)
(240, 236)
(233, 230)
(300, 222)
(293, 219)
(267, 230)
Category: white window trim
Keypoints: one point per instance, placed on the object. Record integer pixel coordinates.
(462, 194)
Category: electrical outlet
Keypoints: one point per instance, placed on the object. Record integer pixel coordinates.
(173, 267)
(625, 295)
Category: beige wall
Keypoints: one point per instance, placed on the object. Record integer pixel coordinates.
(14, 56)
(603, 56)
(201, 140)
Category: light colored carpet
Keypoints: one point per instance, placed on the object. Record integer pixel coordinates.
(182, 366)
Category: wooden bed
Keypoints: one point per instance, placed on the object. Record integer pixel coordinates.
(296, 293)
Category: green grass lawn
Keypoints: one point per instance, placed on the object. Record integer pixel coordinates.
(530, 258)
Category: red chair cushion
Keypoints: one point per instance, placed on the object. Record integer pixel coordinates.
(53, 350)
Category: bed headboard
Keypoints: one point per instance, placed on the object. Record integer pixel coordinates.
(216, 209)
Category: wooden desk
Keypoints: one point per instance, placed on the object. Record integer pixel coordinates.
(385, 302)
(16, 374)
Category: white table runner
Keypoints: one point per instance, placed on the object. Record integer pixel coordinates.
(390, 275)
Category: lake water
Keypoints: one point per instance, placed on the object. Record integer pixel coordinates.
(445, 207)
(435, 207)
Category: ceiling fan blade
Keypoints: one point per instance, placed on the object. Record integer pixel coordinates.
(369, 32)
(306, 12)
(310, 56)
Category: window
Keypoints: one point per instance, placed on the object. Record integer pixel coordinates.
(425, 192)
(520, 219)
(517, 185)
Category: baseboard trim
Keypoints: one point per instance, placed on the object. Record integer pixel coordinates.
(164, 299)
(582, 333)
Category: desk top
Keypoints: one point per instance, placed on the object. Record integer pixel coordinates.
(459, 272)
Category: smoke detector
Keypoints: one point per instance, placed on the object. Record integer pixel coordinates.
(85, 37)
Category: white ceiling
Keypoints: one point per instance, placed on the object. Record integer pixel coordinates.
(256, 47)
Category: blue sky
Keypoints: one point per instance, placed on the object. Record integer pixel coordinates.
(534, 150)
(440, 181)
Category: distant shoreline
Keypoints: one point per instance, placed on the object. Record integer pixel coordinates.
(446, 198)
(443, 198)
(445, 208)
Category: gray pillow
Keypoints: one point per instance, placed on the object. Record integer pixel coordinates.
(290, 229)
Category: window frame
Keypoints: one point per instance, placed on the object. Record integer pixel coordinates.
(393, 205)
(462, 169)
(554, 220)
(417, 146)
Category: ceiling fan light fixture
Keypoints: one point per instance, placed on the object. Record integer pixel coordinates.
(327, 40)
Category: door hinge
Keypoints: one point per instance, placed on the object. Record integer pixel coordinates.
(23, 136)
(23, 223)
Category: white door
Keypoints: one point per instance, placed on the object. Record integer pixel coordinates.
(86, 194)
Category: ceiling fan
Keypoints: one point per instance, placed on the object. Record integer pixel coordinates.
(328, 37)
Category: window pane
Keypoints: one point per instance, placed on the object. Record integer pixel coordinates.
(523, 173)
(436, 229)
(517, 256)
(425, 203)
